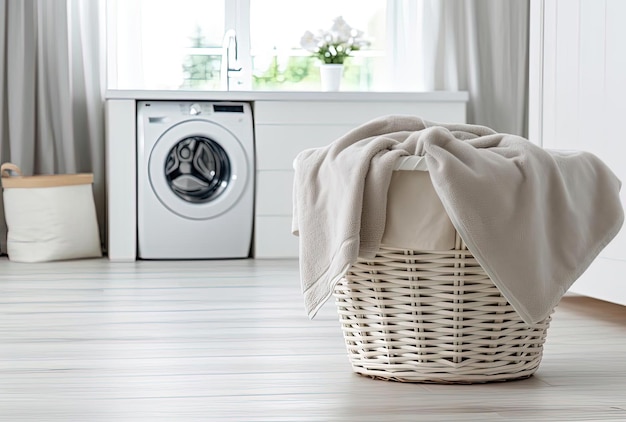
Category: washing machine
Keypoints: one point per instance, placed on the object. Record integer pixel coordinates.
(195, 179)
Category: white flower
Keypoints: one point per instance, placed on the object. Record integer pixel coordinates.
(309, 42)
(341, 30)
(336, 44)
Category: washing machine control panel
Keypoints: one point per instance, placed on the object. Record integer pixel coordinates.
(195, 109)
(207, 108)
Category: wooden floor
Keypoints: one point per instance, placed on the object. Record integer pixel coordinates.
(229, 340)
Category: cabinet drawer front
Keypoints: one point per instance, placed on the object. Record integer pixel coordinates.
(277, 145)
(352, 112)
(274, 192)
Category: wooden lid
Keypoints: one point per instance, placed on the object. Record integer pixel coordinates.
(43, 181)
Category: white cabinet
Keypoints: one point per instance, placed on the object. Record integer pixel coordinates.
(121, 179)
(284, 128)
(578, 88)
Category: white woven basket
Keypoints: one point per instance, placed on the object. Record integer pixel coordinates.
(433, 316)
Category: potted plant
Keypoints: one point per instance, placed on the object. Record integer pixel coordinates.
(332, 47)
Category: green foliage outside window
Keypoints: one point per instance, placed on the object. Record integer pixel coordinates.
(276, 76)
(302, 73)
(201, 71)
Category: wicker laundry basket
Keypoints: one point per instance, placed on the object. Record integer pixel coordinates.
(429, 316)
(433, 316)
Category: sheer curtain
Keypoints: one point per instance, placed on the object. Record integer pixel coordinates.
(52, 90)
(405, 40)
(480, 46)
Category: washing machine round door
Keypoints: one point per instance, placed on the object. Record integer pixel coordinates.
(198, 169)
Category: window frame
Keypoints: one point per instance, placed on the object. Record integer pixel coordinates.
(237, 17)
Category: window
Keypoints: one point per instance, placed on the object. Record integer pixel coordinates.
(280, 63)
(164, 44)
(167, 44)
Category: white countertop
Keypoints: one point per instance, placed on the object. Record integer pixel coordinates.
(432, 96)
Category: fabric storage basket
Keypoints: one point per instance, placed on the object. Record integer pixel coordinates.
(433, 316)
(49, 217)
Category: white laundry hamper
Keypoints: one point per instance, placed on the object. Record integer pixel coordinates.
(432, 315)
(49, 217)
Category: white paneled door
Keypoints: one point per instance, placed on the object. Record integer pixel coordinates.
(580, 84)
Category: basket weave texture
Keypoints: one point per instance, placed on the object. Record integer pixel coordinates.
(433, 316)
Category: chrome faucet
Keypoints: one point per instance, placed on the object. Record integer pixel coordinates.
(230, 61)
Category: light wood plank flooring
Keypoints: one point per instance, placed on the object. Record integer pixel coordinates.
(229, 340)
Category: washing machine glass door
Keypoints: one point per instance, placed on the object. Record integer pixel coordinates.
(198, 169)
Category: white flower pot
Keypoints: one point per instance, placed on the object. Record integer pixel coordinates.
(331, 76)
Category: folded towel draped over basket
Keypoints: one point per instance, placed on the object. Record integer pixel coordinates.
(533, 218)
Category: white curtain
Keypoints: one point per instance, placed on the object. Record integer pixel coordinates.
(404, 43)
(52, 90)
(480, 46)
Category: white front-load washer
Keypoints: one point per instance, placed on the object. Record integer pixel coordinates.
(195, 179)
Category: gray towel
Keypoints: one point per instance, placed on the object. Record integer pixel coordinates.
(534, 219)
